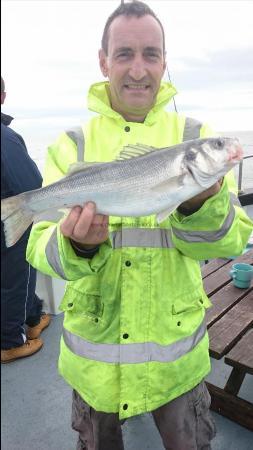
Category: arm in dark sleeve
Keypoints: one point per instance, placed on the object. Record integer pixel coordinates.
(20, 171)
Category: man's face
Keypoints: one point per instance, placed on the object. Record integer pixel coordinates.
(134, 65)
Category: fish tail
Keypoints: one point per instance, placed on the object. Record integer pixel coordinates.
(16, 218)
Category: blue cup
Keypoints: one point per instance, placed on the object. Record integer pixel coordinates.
(242, 275)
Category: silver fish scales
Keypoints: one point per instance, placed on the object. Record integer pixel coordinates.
(142, 181)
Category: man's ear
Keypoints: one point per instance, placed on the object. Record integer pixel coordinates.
(103, 62)
(164, 63)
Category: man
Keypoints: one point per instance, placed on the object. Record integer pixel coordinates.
(19, 303)
(134, 337)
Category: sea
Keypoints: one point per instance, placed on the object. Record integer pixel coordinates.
(39, 134)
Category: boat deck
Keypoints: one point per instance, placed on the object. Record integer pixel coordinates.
(36, 406)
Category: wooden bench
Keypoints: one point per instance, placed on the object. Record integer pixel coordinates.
(229, 329)
(241, 356)
(225, 401)
(230, 322)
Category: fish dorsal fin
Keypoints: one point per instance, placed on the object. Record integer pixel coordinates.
(134, 151)
(79, 167)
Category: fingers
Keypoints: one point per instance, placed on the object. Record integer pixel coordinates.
(79, 220)
(85, 226)
(101, 227)
(68, 225)
(84, 221)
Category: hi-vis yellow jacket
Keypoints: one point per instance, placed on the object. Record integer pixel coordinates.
(134, 334)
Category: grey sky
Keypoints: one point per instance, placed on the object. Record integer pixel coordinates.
(49, 57)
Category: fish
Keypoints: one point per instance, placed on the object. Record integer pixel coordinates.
(142, 181)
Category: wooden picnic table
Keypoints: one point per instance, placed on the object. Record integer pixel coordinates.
(230, 329)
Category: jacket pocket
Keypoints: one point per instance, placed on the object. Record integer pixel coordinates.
(82, 303)
(191, 302)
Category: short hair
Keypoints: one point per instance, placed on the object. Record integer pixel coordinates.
(134, 8)
(2, 85)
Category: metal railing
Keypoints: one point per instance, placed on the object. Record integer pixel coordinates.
(240, 173)
(245, 195)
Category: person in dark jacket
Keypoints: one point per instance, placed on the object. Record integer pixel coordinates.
(22, 319)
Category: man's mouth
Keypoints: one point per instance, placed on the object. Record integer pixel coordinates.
(140, 87)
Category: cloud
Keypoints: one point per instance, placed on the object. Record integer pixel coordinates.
(219, 70)
(49, 56)
(216, 88)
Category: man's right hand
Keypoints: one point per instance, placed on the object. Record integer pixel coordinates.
(85, 227)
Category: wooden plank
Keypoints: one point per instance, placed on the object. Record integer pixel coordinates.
(230, 406)
(233, 385)
(241, 355)
(226, 332)
(216, 280)
(212, 266)
(223, 300)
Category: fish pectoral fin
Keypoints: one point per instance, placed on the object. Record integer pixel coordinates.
(79, 167)
(171, 184)
(162, 215)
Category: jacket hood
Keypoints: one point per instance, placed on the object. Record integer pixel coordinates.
(99, 100)
(5, 119)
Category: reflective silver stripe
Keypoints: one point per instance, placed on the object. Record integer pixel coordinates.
(191, 129)
(234, 199)
(142, 237)
(207, 236)
(133, 353)
(53, 256)
(76, 134)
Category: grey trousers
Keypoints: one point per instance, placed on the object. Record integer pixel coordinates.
(184, 423)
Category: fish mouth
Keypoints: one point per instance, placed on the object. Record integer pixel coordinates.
(235, 153)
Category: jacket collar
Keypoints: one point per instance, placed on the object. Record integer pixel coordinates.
(99, 101)
(5, 119)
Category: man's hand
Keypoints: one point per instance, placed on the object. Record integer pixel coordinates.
(85, 227)
(194, 204)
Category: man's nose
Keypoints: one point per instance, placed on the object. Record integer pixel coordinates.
(138, 69)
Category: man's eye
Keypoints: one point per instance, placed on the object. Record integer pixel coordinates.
(152, 55)
(123, 55)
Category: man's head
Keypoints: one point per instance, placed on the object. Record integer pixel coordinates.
(3, 93)
(133, 58)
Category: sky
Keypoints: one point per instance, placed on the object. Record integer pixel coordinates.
(50, 58)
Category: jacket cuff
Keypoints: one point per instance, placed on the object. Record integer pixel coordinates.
(84, 253)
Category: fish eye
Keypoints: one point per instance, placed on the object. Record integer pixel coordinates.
(191, 155)
(219, 143)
